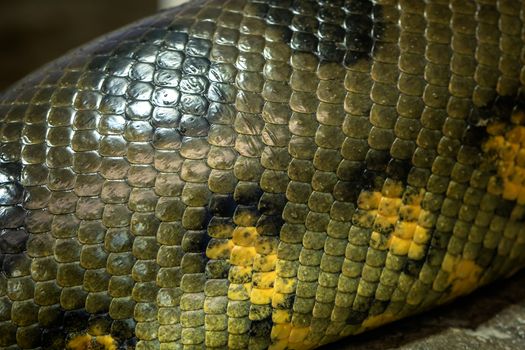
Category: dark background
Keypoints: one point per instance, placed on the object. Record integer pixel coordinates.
(34, 32)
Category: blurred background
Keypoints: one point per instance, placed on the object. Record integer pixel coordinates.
(34, 32)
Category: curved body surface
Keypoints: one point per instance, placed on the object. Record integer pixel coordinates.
(253, 174)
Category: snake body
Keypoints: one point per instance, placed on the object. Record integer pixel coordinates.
(262, 174)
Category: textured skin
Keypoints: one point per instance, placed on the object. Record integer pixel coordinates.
(259, 173)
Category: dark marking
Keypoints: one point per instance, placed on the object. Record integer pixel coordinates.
(398, 169)
(413, 267)
(54, 338)
(222, 205)
(76, 320)
(272, 203)
(474, 136)
(261, 328)
(378, 307)
(356, 317)
(505, 208)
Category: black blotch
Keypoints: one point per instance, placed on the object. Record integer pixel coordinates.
(101, 323)
(53, 339)
(500, 109)
(413, 267)
(474, 136)
(505, 208)
(356, 317)
(222, 205)
(246, 215)
(348, 191)
(123, 329)
(398, 169)
(378, 306)
(195, 241)
(261, 328)
(220, 224)
(272, 203)
(247, 194)
(76, 321)
(485, 257)
(269, 225)
(439, 239)
(286, 303)
(377, 160)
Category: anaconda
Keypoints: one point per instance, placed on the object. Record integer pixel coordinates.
(262, 174)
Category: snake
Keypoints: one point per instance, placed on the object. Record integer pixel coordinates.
(262, 174)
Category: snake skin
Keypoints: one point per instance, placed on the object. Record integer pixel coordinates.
(262, 174)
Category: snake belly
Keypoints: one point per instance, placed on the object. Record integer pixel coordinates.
(262, 174)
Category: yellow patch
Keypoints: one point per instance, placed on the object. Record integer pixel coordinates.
(506, 149)
(242, 255)
(107, 341)
(80, 342)
(378, 320)
(88, 342)
(281, 331)
(398, 246)
(464, 275)
(285, 285)
(264, 262)
(260, 296)
(221, 250)
(244, 236)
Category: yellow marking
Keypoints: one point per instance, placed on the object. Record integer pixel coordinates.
(398, 246)
(278, 299)
(378, 320)
(281, 316)
(107, 342)
(88, 342)
(296, 339)
(80, 342)
(285, 285)
(506, 149)
(416, 251)
(496, 128)
(389, 206)
(393, 188)
(260, 296)
(281, 344)
(264, 262)
(240, 273)
(421, 235)
(281, 331)
(244, 236)
(219, 251)
(405, 229)
(264, 279)
(239, 291)
(242, 255)
(464, 275)
(368, 200)
(518, 117)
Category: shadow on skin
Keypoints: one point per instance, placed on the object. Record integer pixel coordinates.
(490, 318)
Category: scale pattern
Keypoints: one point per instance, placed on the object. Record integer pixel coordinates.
(262, 174)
